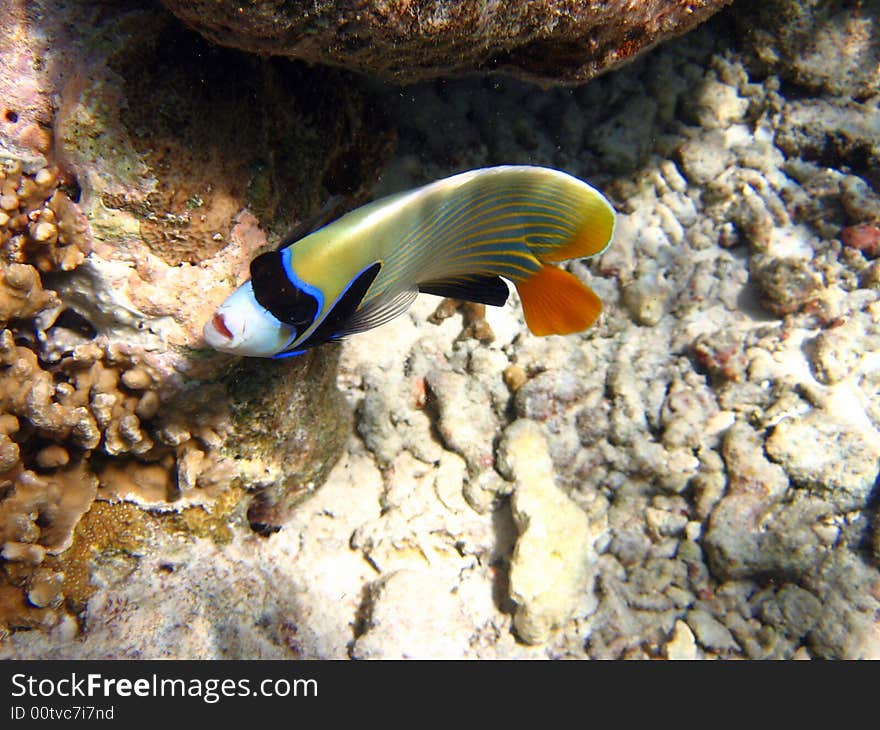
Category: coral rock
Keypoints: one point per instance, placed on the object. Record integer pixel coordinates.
(429, 603)
(44, 510)
(114, 253)
(864, 237)
(825, 45)
(827, 456)
(552, 566)
(548, 41)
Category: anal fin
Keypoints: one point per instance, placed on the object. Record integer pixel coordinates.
(556, 303)
(490, 290)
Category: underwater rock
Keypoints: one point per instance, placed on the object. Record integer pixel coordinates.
(465, 416)
(749, 535)
(181, 186)
(827, 456)
(710, 632)
(786, 284)
(704, 158)
(834, 355)
(552, 567)
(864, 237)
(646, 299)
(824, 45)
(839, 132)
(681, 644)
(661, 431)
(793, 610)
(25, 111)
(546, 41)
(849, 592)
(748, 469)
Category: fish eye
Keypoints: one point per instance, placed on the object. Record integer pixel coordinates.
(274, 290)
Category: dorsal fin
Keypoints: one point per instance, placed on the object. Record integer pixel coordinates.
(330, 211)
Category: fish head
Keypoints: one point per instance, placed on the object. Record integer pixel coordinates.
(242, 326)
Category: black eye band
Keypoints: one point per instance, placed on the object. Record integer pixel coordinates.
(273, 290)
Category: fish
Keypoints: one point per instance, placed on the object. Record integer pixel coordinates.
(460, 237)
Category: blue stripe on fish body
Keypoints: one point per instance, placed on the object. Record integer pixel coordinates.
(288, 353)
(332, 324)
(302, 285)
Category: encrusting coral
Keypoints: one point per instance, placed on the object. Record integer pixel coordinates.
(79, 419)
(135, 190)
(42, 495)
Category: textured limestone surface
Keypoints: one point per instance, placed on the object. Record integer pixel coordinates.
(825, 45)
(549, 41)
(718, 430)
(551, 569)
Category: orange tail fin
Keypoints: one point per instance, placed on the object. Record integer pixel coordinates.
(556, 303)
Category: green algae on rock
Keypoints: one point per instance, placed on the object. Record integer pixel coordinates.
(285, 420)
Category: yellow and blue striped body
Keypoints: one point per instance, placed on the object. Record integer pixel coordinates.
(451, 236)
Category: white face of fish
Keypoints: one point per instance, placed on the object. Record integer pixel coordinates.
(240, 326)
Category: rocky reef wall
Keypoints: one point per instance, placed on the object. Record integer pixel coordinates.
(142, 169)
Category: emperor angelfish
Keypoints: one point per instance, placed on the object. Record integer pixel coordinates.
(458, 237)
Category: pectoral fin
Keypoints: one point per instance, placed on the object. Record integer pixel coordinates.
(337, 323)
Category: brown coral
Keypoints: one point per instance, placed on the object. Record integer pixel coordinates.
(88, 423)
(165, 188)
(42, 510)
(61, 423)
(38, 222)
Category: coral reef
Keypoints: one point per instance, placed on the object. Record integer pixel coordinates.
(86, 418)
(696, 475)
(548, 41)
(158, 193)
(552, 564)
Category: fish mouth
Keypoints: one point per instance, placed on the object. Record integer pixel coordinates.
(220, 326)
(217, 333)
